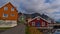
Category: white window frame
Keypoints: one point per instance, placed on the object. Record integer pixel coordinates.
(5, 16)
(43, 23)
(12, 14)
(12, 9)
(38, 18)
(5, 8)
(33, 23)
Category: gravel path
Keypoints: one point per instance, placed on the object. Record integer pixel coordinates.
(20, 29)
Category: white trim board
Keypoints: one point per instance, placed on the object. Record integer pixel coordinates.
(37, 17)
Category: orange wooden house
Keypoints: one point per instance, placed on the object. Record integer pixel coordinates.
(9, 14)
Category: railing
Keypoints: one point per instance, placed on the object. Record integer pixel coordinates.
(44, 27)
(53, 24)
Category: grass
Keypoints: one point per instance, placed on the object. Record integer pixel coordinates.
(27, 30)
(4, 28)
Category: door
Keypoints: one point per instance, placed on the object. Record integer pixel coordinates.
(38, 24)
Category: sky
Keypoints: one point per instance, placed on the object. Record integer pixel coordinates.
(48, 7)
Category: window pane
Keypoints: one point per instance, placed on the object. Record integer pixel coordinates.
(5, 8)
(38, 18)
(33, 23)
(43, 23)
(12, 14)
(38, 24)
(5, 15)
(12, 9)
(58, 30)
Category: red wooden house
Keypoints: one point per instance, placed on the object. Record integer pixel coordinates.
(38, 22)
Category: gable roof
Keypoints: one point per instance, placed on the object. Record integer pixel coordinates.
(4, 4)
(37, 17)
(10, 4)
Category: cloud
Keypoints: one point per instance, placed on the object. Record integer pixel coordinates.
(41, 6)
(36, 5)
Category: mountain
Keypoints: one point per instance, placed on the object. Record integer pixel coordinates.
(32, 15)
(45, 16)
(35, 15)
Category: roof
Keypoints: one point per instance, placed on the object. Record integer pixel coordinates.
(8, 3)
(4, 4)
(37, 17)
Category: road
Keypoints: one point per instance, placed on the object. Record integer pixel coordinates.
(20, 29)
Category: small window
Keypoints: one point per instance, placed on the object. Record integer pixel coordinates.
(38, 24)
(5, 8)
(12, 9)
(38, 18)
(58, 30)
(12, 14)
(43, 23)
(33, 23)
(5, 15)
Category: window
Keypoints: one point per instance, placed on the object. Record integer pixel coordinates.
(5, 15)
(5, 8)
(38, 18)
(33, 23)
(12, 9)
(38, 24)
(58, 30)
(12, 14)
(43, 23)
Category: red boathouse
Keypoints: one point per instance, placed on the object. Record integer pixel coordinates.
(38, 22)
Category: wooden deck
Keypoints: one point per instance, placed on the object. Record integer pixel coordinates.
(44, 27)
(53, 24)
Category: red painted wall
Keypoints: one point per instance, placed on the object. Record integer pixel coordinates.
(41, 20)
